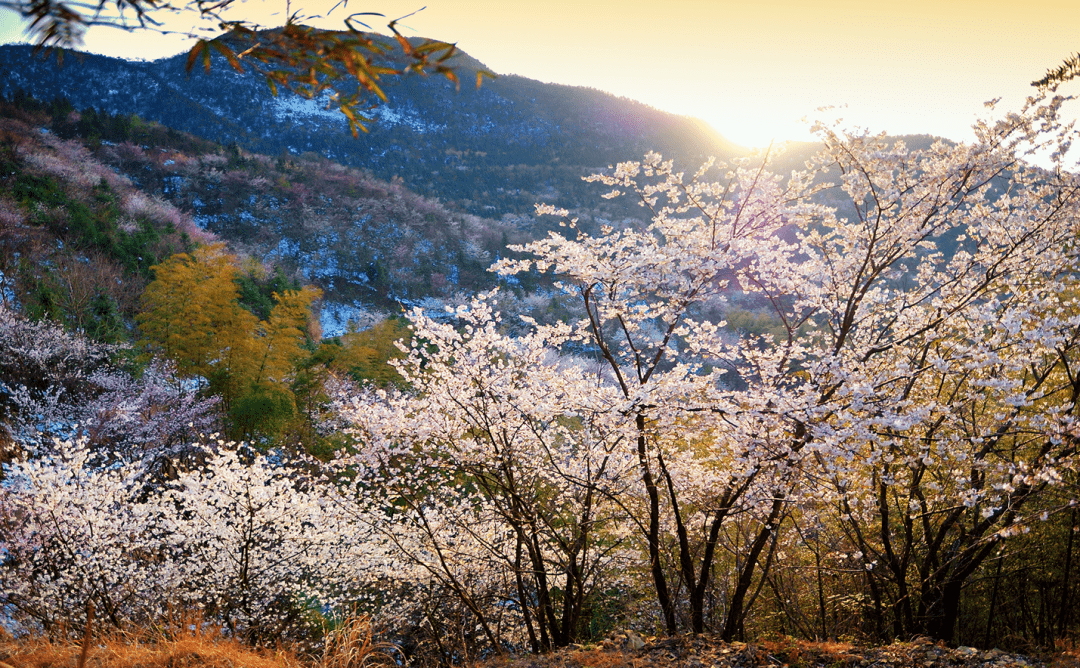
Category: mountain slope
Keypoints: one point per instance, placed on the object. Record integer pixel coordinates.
(72, 200)
(495, 150)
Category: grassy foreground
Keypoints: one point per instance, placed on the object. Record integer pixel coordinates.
(193, 646)
(354, 646)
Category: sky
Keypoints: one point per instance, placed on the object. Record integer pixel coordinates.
(753, 70)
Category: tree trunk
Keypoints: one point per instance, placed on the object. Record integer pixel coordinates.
(1063, 605)
(653, 537)
(733, 623)
(942, 612)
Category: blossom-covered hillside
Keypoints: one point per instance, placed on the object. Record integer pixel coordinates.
(363, 241)
(77, 239)
(124, 194)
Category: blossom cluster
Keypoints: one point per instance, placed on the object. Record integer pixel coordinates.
(913, 406)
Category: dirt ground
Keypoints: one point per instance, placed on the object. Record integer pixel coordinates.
(627, 650)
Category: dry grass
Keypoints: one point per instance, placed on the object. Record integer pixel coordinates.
(188, 643)
(795, 652)
(598, 658)
(353, 645)
(126, 652)
(182, 641)
(1066, 654)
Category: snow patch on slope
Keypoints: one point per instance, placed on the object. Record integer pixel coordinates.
(335, 318)
(407, 116)
(289, 106)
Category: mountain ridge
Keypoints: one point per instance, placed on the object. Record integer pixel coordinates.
(468, 137)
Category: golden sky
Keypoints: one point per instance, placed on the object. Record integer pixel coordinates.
(751, 69)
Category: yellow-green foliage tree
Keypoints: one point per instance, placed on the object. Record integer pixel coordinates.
(360, 356)
(191, 313)
(366, 354)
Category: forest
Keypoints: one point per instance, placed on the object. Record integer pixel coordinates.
(840, 403)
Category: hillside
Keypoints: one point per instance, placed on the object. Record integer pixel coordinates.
(77, 239)
(847, 457)
(417, 208)
(102, 188)
(495, 150)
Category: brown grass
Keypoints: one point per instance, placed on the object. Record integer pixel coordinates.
(182, 641)
(353, 645)
(1066, 654)
(598, 658)
(188, 643)
(796, 652)
(126, 652)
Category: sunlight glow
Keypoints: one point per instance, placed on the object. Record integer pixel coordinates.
(750, 71)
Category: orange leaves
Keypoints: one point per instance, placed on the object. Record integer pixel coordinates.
(201, 51)
(406, 48)
(348, 64)
(224, 50)
(481, 74)
(201, 47)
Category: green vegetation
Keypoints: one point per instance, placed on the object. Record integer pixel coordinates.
(258, 353)
(96, 222)
(736, 468)
(365, 354)
(258, 286)
(191, 314)
(76, 240)
(82, 247)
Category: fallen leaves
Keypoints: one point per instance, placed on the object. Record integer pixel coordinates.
(704, 651)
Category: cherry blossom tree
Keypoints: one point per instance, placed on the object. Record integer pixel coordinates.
(505, 460)
(945, 376)
(42, 368)
(74, 531)
(149, 413)
(704, 454)
(259, 544)
(59, 384)
(910, 409)
(926, 366)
